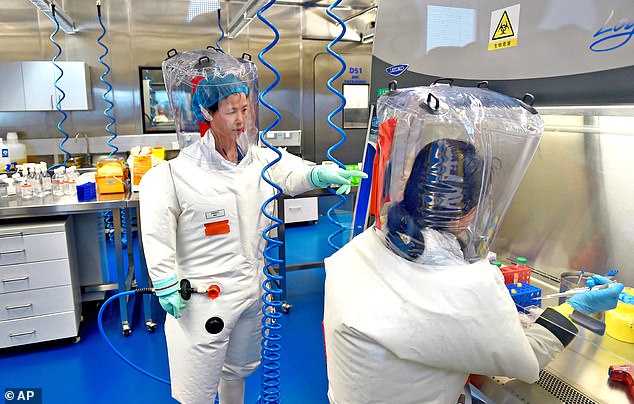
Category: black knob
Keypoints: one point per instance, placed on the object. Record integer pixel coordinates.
(214, 325)
(185, 289)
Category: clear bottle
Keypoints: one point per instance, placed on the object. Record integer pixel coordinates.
(38, 190)
(4, 154)
(47, 185)
(4, 193)
(17, 181)
(71, 179)
(26, 187)
(11, 189)
(59, 181)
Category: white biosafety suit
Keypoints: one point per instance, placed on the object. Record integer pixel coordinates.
(201, 220)
(397, 331)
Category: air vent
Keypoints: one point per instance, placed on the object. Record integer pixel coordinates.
(562, 390)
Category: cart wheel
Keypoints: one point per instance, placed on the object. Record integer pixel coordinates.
(76, 339)
(286, 308)
(126, 330)
(151, 327)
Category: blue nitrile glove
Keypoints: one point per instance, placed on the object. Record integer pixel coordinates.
(596, 301)
(323, 175)
(167, 292)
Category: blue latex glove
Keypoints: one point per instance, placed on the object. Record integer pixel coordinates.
(323, 175)
(167, 292)
(596, 301)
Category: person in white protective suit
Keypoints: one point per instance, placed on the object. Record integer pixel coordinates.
(201, 221)
(412, 305)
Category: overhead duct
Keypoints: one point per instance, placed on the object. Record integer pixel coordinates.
(65, 22)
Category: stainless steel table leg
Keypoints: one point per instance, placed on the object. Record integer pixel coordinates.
(121, 275)
(145, 281)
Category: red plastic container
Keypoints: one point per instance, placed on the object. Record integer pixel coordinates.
(516, 273)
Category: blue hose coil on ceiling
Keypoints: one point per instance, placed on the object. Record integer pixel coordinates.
(271, 309)
(342, 198)
(63, 94)
(104, 96)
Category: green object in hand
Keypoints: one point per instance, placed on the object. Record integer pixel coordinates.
(324, 175)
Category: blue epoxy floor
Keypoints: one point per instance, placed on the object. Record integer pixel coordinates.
(89, 372)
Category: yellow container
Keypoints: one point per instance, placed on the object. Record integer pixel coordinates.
(159, 152)
(619, 322)
(110, 177)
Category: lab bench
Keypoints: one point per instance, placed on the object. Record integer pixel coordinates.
(579, 374)
(88, 234)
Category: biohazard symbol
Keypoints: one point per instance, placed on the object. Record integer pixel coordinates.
(504, 29)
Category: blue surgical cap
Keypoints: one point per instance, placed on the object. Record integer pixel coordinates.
(444, 184)
(210, 90)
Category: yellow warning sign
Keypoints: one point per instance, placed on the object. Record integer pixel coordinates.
(504, 28)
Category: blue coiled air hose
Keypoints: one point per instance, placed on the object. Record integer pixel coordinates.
(271, 326)
(63, 94)
(104, 96)
(342, 198)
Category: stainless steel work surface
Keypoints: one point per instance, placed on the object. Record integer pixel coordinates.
(15, 207)
(579, 374)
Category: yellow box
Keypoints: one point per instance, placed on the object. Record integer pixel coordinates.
(110, 176)
(110, 185)
(619, 322)
(159, 152)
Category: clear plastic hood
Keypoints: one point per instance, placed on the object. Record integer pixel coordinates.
(448, 164)
(197, 81)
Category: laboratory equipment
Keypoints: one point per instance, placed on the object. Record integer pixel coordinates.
(16, 150)
(619, 322)
(574, 291)
(623, 374)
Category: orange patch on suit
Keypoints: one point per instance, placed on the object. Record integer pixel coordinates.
(214, 228)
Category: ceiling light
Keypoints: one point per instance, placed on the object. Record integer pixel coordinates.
(65, 22)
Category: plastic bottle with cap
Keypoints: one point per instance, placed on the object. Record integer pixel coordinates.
(4, 154)
(17, 150)
(521, 262)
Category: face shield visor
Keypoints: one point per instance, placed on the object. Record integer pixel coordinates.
(449, 159)
(210, 90)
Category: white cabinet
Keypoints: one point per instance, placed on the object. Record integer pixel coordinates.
(300, 210)
(30, 86)
(40, 298)
(40, 93)
(11, 88)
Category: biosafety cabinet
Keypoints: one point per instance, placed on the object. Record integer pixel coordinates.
(40, 298)
(575, 205)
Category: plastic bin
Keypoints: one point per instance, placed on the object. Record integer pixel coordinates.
(515, 274)
(524, 295)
